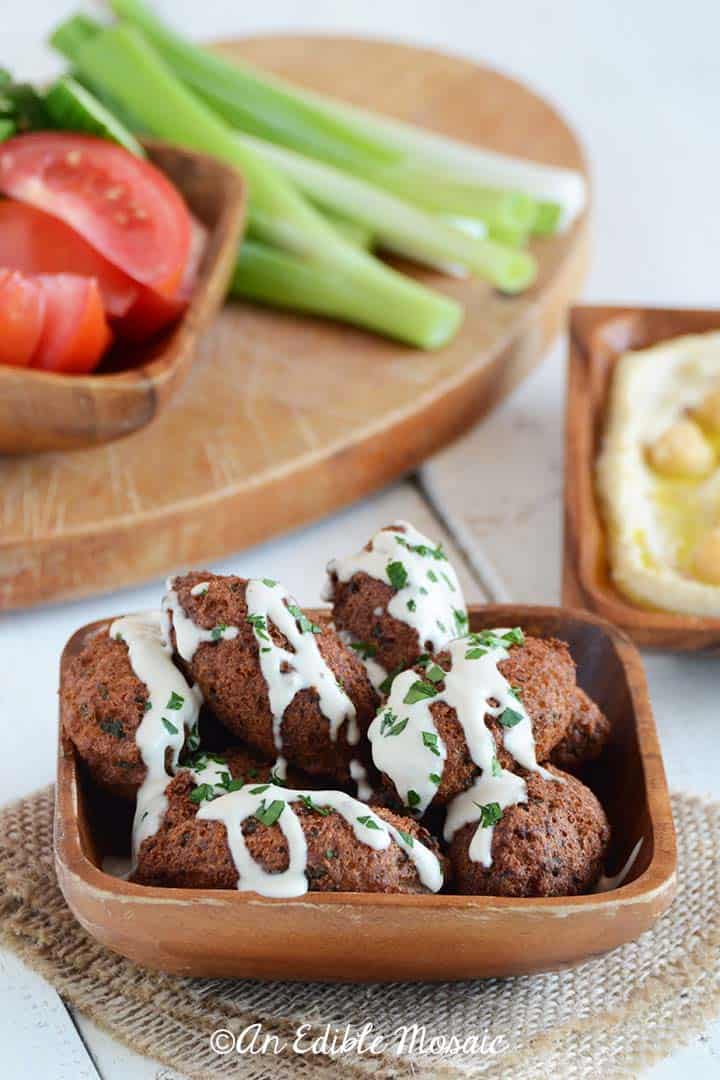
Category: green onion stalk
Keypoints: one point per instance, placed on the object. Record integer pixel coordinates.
(120, 61)
(314, 125)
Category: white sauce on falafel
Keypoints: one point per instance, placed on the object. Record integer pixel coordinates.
(171, 712)
(301, 666)
(407, 747)
(273, 804)
(428, 596)
(188, 635)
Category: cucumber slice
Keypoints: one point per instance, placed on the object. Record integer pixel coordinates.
(73, 108)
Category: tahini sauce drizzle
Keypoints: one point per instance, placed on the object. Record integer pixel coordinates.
(408, 748)
(235, 807)
(288, 672)
(188, 635)
(430, 601)
(172, 711)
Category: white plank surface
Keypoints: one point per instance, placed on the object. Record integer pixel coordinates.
(640, 81)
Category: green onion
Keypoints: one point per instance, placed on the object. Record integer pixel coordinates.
(267, 275)
(387, 151)
(120, 60)
(396, 225)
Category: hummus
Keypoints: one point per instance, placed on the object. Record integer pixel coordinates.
(658, 475)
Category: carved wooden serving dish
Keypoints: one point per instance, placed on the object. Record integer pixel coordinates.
(368, 937)
(598, 337)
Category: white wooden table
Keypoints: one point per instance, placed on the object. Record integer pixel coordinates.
(640, 81)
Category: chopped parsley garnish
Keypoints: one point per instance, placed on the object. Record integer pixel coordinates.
(388, 719)
(441, 625)
(397, 575)
(218, 632)
(509, 718)
(147, 706)
(398, 728)
(228, 784)
(369, 822)
(495, 767)
(448, 582)
(113, 727)
(423, 549)
(175, 702)
(435, 778)
(407, 838)
(266, 648)
(461, 619)
(259, 626)
(475, 653)
(119, 637)
(364, 649)
(193, 739)
(202, 793)
(307, 626)
(490, 814)
(169, 726)
(435, 673)
(307, 802)
(411, 605)
(432, 576)
(413, 799)
(330, 854)
(269, 582)
(268, 815)
(423, 591)
(259, 790)
(419, 691)
(275, 779)
(515, 636)
(430, 740)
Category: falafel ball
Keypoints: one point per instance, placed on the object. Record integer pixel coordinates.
(586, 737)
(544, 673)
(102, 705)
(187, 853)
(360, 609)
(230, 676)
(552, 845)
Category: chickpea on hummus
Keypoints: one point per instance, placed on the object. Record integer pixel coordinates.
(658, 475)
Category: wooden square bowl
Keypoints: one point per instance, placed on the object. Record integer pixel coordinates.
(598, 338)
(363, 937)
(44, 410)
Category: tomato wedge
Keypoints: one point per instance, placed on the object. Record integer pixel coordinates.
(38, 243)
(22, 312)
(75, 333)
(122, 205)
(153, 312)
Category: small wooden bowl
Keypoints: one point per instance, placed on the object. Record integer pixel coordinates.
(364, 937)
(598, 337)
(42, 410)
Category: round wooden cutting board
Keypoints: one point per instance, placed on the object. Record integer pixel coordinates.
(284, 419)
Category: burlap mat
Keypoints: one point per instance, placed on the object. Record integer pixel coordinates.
(607, 1018)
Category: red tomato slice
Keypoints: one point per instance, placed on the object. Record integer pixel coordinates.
(22, 312)
(122, 205)
(38, 243)
(153, 312)
(75, 334)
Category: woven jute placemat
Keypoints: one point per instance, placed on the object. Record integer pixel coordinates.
(607, 1018)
